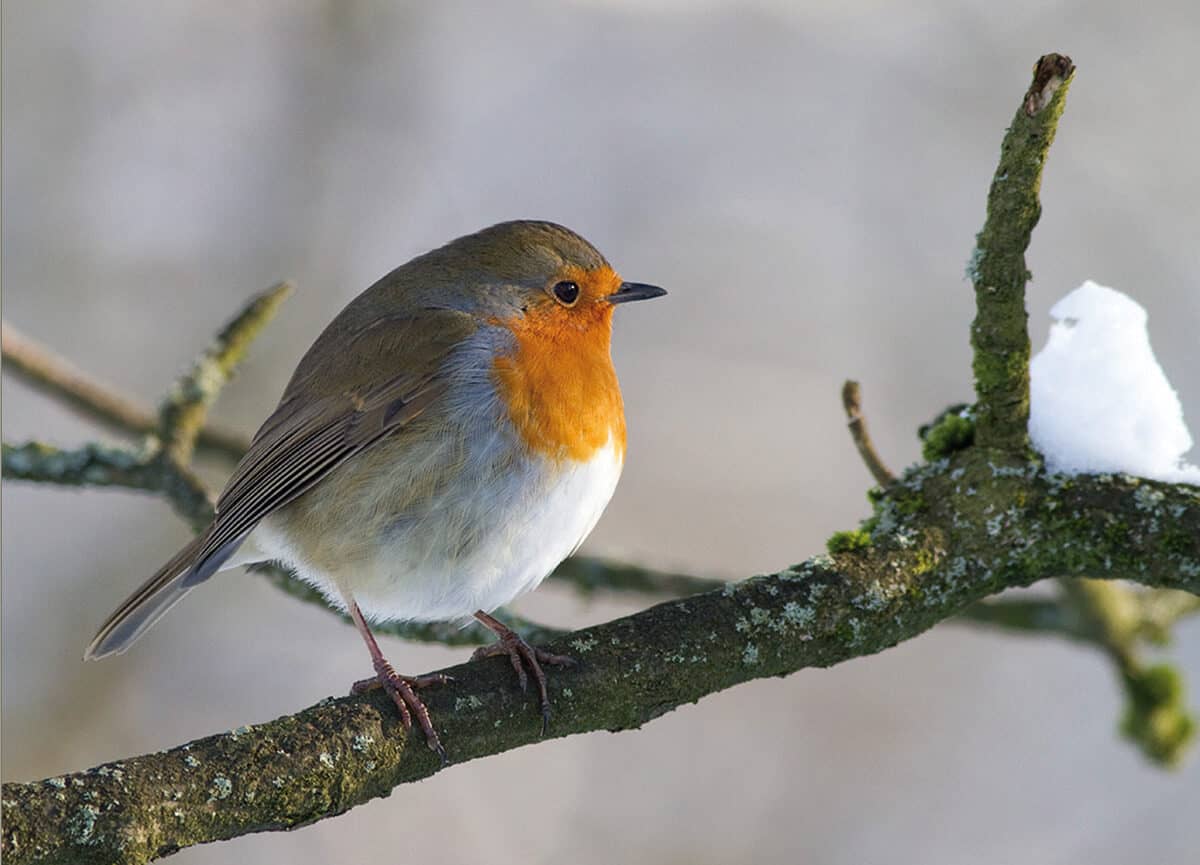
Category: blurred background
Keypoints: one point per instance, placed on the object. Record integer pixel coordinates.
(805, 177)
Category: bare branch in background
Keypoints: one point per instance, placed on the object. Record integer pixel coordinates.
(51, 374)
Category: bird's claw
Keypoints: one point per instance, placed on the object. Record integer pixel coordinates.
(522, 655)
(403, 691)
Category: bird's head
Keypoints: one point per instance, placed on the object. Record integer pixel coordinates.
(533, 273)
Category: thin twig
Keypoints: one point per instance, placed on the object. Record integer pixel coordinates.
(51, 374)
(182, 414)
(851, 401)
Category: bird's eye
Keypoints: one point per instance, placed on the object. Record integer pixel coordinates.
(566, 293)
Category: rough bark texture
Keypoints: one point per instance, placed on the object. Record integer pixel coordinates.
(951, 533)
(999, 335)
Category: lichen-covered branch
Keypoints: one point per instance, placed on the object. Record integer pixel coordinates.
(1000, 336)
(948, 534)
(48, 372)
(96, 465)
(182, 415)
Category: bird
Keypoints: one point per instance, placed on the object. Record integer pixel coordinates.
(449, 438)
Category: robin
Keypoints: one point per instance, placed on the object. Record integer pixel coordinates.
(448, 439)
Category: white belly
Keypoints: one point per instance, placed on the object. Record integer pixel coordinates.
(474, 546)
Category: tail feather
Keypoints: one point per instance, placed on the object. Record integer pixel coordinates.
(157, 595)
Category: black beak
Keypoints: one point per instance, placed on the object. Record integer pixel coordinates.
(635, 291)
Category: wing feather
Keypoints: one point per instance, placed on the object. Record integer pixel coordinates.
(317, 427)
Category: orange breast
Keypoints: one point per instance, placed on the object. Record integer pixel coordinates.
(559, 384)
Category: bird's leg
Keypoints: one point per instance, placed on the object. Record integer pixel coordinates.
(522, 655)
(402, 689)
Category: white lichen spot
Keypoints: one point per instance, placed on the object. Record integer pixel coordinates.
(1146, 498)
(60, 783)
(823, 560)
(568, 693)
(750, 655)
(799, 615)
(584, 644)
(238, 731)
(82, 824)
(369, 765)
(249, 797)
(326, 759)
(471, 702)
(191, 761)
(971, 271)
(220, 788)
(278, 782)
(1008, 471)
(361, 742)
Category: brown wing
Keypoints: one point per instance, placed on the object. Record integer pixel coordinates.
(356, 385)
(332, 409)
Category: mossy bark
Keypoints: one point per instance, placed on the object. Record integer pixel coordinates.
(945, 536)
(999, 335)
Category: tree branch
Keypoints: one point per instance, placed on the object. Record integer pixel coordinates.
(852, 403)
(935, 548)
(96, 465)
(49, 373)
(999, 336)
(185, 408)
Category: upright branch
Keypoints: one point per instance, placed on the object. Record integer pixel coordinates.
(1000, 336)
(182, 415)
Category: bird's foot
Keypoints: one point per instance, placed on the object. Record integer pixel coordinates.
(511, 645)
(403, 691)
